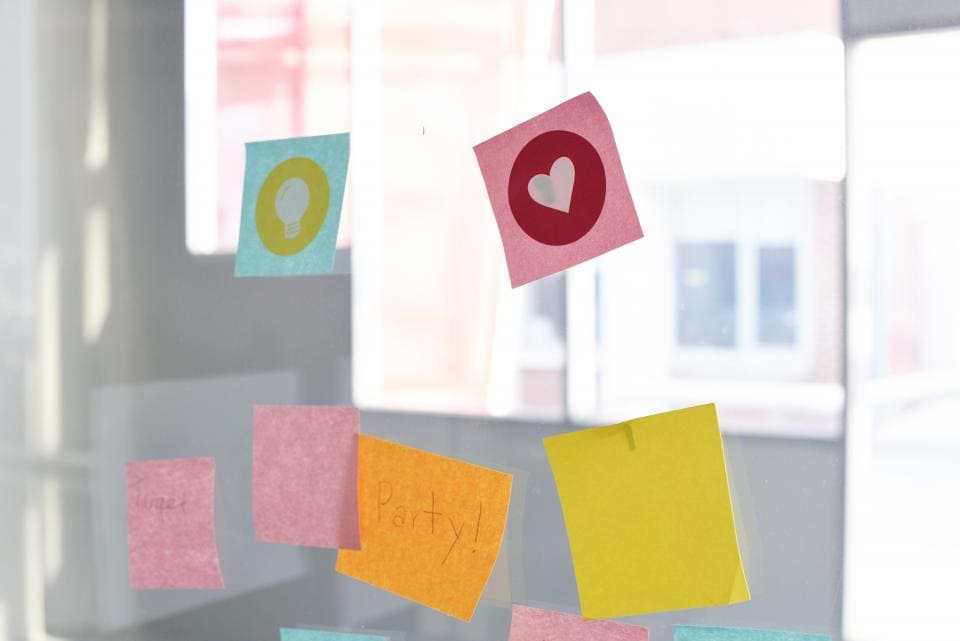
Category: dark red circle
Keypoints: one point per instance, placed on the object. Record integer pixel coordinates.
(544, 224)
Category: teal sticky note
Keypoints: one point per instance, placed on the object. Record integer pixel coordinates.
(292, 197)
(697, 633)
(300, 634)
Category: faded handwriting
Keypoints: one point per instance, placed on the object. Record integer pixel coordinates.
(158, 503)
(398, 516)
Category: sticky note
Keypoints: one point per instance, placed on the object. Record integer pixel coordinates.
(430, 526)
(292, 196)
(305, 475)
(301, 634)
(557, 189)
(533, 624)
(648, 514)
(170, 532)
(696, 633)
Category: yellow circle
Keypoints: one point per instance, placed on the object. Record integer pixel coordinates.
(294, 232)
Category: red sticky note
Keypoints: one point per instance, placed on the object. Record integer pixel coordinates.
(558, 191)
(170, 533)
(533, 624)
(305, 475)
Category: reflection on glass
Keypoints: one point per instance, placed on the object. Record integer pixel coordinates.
(706, 280)
(454, 336)
(776, 295)
(280, 69)
(736, 294)
(903, 459)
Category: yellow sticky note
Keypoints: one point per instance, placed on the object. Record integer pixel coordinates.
(430, 526)
(648, 514)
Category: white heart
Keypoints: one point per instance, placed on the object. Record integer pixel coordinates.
(554, 191)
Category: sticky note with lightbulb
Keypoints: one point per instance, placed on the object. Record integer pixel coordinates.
(292, 197)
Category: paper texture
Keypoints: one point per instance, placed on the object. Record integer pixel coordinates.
(696, 633)
(430, 526)
(301, 634)
(648, 514)
(170, 532)
(292, 195)
(557, 189)
(305, 475)
(533, 624)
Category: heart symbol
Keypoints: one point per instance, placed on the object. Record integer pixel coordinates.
(554, 191)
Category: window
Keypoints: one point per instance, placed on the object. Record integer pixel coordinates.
(903, 440)
(436, 325)
(256, 70)
(739, 276)
(740, 202)
(742, 213)
(776, 295)
(706, 276)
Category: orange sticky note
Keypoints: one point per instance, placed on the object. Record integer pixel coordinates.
(430, 526)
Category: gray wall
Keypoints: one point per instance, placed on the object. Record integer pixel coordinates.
(182, 319)
(873, 17)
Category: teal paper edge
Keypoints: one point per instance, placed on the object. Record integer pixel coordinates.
(699, 633)
(303, 634)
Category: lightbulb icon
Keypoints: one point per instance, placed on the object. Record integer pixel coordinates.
(290, 204)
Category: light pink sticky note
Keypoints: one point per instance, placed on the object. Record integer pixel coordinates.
(305, 475)
(533, 624)
(557, 189)
(170, 532)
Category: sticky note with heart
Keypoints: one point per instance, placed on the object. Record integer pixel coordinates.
(558, 191)
(554, 189)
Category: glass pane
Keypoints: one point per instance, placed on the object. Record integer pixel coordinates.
(758, 173)
(628, 25)
(706, 283)
(776, 290)
(435, 296)
(732, 135)
(903, 533)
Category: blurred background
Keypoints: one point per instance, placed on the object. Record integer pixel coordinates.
(795, 169)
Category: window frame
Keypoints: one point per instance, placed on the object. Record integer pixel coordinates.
(748, 230)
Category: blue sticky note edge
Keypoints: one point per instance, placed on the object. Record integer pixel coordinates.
(699, 633)
(332, 153)
(301, 634)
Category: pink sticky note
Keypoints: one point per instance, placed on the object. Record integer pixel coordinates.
(170, 532)
(557, 190)
(305, 475)
(532, 624)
